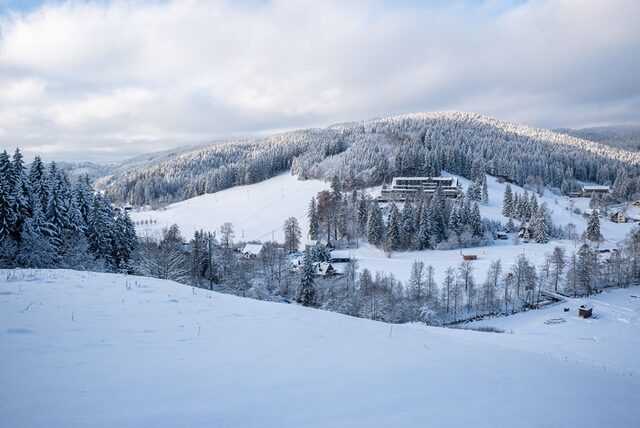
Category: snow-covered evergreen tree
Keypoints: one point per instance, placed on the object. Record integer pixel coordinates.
(312, 215)
(423, 240)
(409, 224)
(485, 190)
(375, 225)
(7, 214)
(475, 221)
(362, 214)
(306, 292)
(593, 227)
(540, 225)
(394, 236)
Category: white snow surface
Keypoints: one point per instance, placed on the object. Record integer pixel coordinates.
(257, 211)
(81, 349)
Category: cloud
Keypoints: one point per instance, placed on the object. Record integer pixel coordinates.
(105, 80)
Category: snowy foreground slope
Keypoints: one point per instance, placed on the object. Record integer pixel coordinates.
(84, 349)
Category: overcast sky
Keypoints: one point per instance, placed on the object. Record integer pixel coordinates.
(106, 80)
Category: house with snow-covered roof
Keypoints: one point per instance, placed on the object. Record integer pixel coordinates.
(251, 251)
(340, 256)
(588, 190)
(325, 269)
(619, 217)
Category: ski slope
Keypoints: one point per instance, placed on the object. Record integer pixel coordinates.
(257, 211)
(83, 349)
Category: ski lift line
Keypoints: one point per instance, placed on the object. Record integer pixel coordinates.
(277, 229)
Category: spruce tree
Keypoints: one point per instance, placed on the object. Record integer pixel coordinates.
(83, 195)
(20, 194)
(540, 225)
(593, 227)
(306, 292)
(101, 227)
(485, 190)
(312, 215)
(621, 185)
(507, 202)
(475, 221)
(362, 214)
(38, 182)
(454, 221)
(124, 241)
(409, 224)
(394, 234)
(35, 249)
(533, 205)
(438, 223)
(7, 215)
(336, 189)
(375, 225)
(424, 227)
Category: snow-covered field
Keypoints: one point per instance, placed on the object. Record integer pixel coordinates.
(83, 349)
(257, 211)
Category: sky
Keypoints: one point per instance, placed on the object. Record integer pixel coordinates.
(106, 80)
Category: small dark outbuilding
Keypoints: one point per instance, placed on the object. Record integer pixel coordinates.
(584, 312)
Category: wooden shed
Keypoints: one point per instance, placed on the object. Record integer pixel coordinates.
(469, 257)
(585, 312)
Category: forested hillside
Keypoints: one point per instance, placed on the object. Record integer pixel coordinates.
(372, 152)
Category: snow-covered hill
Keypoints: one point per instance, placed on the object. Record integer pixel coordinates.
(257, 211)
(85, 349)
(363, 153)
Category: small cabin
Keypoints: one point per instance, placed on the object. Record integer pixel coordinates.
(525, 233)
(325, 269)
(502, 236)
(340, 256)
(251, 251)
(636, 204)
(618, 217)
(585, 312)
(469, 257)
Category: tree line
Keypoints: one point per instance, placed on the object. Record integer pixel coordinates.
(47, 221)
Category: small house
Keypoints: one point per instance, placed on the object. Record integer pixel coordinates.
(340, 256)
(636, 204)
(619, 217)
(525, 233)
(502, 236)
(251, 251)
(469, 257)
(325, 269)
(591, 190)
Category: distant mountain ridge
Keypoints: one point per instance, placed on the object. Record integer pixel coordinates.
(371, 152)
(625, 137)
